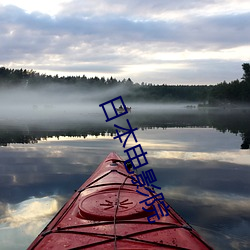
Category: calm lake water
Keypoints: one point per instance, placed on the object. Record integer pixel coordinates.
(196, 154)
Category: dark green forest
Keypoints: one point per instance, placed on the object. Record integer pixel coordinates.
(225, 93)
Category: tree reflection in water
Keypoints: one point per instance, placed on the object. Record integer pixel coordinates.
(233, 121)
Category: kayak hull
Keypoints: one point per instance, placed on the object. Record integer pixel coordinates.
(105, 213)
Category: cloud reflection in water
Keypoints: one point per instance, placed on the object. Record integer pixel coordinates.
(202, 174)
(25, 220)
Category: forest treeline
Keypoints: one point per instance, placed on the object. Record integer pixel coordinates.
(236, 91)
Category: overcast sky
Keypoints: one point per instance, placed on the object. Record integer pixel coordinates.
(157, 41)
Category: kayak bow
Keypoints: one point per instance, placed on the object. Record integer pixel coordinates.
(104, 213)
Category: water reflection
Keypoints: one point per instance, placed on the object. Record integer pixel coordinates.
(233, 121)
(203, 173)
(32, 209)
(20, 222)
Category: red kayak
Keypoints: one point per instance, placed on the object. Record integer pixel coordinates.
(106, 213)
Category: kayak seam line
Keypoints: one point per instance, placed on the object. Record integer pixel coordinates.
(196, 235)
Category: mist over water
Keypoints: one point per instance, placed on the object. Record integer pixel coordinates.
(56, 102)
(59, 107)
(60, 102)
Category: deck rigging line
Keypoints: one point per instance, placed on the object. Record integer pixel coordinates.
(116, 210)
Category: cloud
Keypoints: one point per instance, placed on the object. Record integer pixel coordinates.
(149, 9)
(122, 30)
(126, 39)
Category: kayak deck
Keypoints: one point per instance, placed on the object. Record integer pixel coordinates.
(105, 213)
